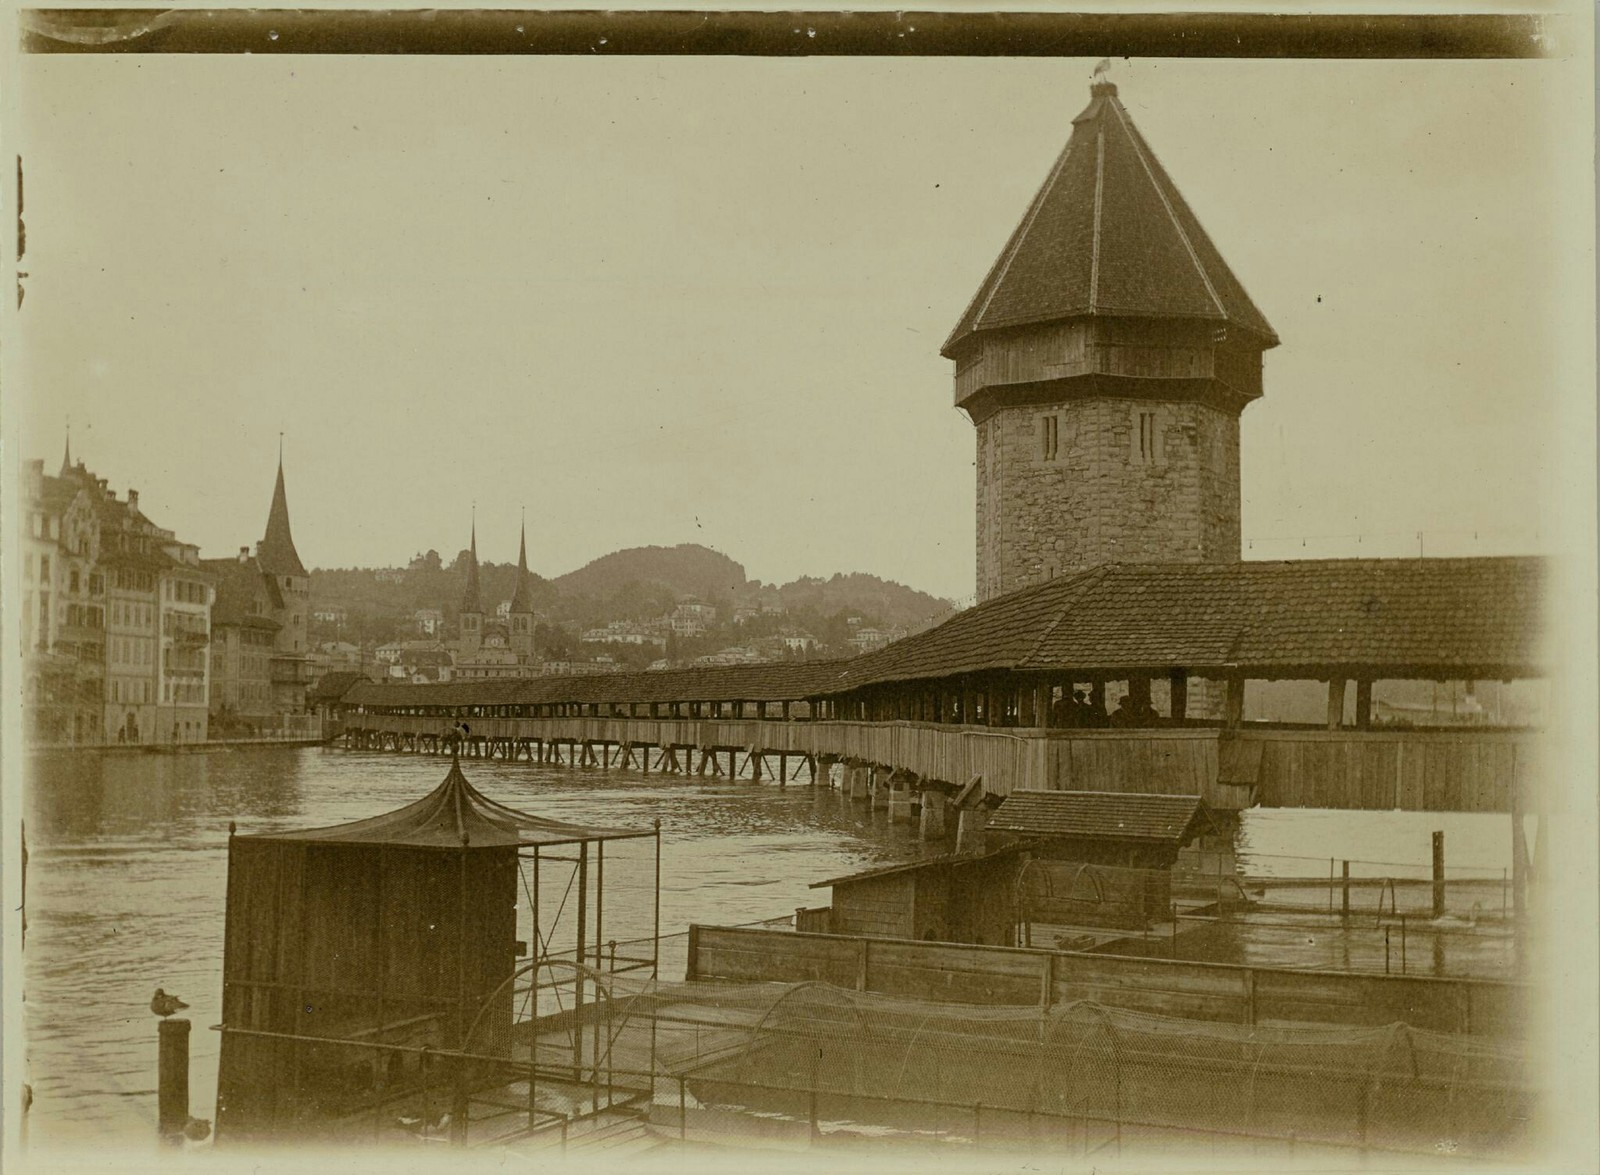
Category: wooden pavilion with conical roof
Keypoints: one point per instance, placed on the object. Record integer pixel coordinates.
(354, 952)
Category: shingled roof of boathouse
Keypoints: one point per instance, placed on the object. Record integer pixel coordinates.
(1099, 815)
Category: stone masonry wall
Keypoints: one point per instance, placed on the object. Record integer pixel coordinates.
(1131, 481)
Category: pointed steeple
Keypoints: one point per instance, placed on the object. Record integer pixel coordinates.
(276, 552)
(1108, 235)
(470, 601)
(522, 598)
(66, 457)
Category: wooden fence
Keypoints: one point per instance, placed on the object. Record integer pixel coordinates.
(957, 973)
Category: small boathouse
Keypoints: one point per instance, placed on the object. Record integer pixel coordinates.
(378, 970)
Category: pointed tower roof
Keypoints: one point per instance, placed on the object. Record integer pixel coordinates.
(1108, 234)
(469, 600)
(522, 598)
(276, 552)
(66, 457)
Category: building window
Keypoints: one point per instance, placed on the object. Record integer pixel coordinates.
(1147, 437)
(44, 568)
(1049, 429)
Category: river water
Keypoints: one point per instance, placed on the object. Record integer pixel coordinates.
(128, 863)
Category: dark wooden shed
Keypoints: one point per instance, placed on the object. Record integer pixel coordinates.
(1099, 858)
(352, 949)
(960, 898)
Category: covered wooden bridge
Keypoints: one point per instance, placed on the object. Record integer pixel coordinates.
(990, 694)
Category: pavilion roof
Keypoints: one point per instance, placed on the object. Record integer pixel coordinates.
(456, 815)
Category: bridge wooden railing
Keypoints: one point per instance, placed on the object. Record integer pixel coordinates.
(1466, 770)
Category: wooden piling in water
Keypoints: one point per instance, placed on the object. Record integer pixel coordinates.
(172, 1084)
(1438, 874)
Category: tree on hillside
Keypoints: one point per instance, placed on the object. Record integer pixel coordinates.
(552, 644)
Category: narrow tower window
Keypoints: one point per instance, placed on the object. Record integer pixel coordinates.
(1147, 437)
(1048, 431)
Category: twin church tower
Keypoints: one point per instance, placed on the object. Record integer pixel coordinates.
(1105, 362)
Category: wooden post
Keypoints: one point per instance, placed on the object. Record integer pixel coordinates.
(1346, 900)
(582, 946)
(1438, 874)
(1335, 703)
(1139, 688)
(1519, 869)
(1363, 704)
(172, 1100)
(1178, 683)
(1043, 696)
(1233, 706)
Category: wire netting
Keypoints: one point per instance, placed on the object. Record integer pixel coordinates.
(832, 1055)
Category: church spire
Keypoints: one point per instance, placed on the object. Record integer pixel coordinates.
(470, 601)
(522, 597)
(66, 458)
(276, 551)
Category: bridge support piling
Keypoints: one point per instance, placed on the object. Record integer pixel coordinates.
(932, 826)
(899, 801)
(969, 829)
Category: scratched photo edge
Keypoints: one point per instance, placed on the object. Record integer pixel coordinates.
(1570, 596)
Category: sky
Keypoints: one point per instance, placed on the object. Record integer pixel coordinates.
(664, 300)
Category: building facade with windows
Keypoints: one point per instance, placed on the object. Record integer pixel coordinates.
(244, 636)
(115, 617)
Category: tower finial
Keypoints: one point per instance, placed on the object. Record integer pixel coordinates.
(66, 457)
(1101, 85)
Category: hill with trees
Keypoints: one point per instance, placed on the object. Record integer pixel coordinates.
(370, 606)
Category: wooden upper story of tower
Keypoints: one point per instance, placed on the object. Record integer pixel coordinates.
(1108, 286)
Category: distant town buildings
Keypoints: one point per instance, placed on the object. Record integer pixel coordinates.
(628, 632)
(866, 638)
(115, 617)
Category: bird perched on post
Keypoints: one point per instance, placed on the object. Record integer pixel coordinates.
(164, 1005)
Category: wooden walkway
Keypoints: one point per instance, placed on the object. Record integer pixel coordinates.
(1462, 770)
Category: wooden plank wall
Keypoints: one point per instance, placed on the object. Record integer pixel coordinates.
(1419, 771)
(1428, 771)
(881, 907)
(955, 973)
(1162, 762)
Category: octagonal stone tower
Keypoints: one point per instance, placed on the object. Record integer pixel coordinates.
(1105, 362)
